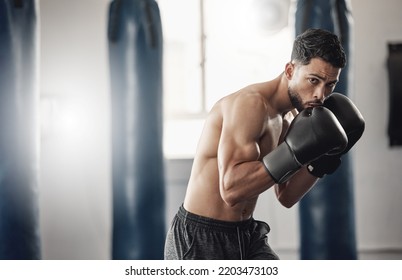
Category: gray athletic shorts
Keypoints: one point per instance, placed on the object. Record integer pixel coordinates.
(193, 237)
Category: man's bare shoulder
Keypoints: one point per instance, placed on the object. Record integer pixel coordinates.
(246, 99)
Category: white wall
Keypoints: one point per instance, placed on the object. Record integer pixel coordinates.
(75, 169)
(378, 167)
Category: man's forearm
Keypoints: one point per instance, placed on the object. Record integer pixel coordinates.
(295, 188)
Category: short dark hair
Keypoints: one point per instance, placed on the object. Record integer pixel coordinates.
(318, 43)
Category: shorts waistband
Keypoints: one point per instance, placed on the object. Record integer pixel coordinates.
(191, 218)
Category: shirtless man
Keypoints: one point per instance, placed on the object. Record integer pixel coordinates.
(248, 145)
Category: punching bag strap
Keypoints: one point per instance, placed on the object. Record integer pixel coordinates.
(114, 19)
(150, 25)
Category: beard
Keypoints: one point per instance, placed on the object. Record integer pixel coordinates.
(295, 100)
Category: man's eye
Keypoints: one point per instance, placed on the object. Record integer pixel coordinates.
(313, 81)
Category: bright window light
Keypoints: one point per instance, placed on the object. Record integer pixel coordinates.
(214, 48)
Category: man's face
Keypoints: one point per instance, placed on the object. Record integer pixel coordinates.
(310, 84)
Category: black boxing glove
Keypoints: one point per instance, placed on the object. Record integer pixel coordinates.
(313, 132)
(352, 122)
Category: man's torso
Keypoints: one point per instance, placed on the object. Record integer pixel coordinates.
(203, 194)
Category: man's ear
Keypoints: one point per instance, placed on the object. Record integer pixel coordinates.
(289, 70)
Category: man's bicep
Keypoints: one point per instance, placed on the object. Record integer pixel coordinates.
(243, 125)
(238, 144)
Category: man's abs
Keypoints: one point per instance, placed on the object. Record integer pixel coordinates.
(219, 210)
(203, 195)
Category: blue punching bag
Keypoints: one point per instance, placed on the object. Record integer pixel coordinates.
(135, 52)
(19, 214)
(327, 217)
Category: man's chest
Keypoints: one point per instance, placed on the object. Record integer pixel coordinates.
(271, 136)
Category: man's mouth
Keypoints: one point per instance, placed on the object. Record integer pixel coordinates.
(314, 104)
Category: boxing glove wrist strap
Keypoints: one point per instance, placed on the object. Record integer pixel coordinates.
(324, 165)
(281, 163)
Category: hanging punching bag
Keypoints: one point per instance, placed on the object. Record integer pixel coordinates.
(394, 67)
(327, 217)
(135, 51)
(19, 220)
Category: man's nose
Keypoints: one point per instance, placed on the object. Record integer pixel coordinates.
(319, 93)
